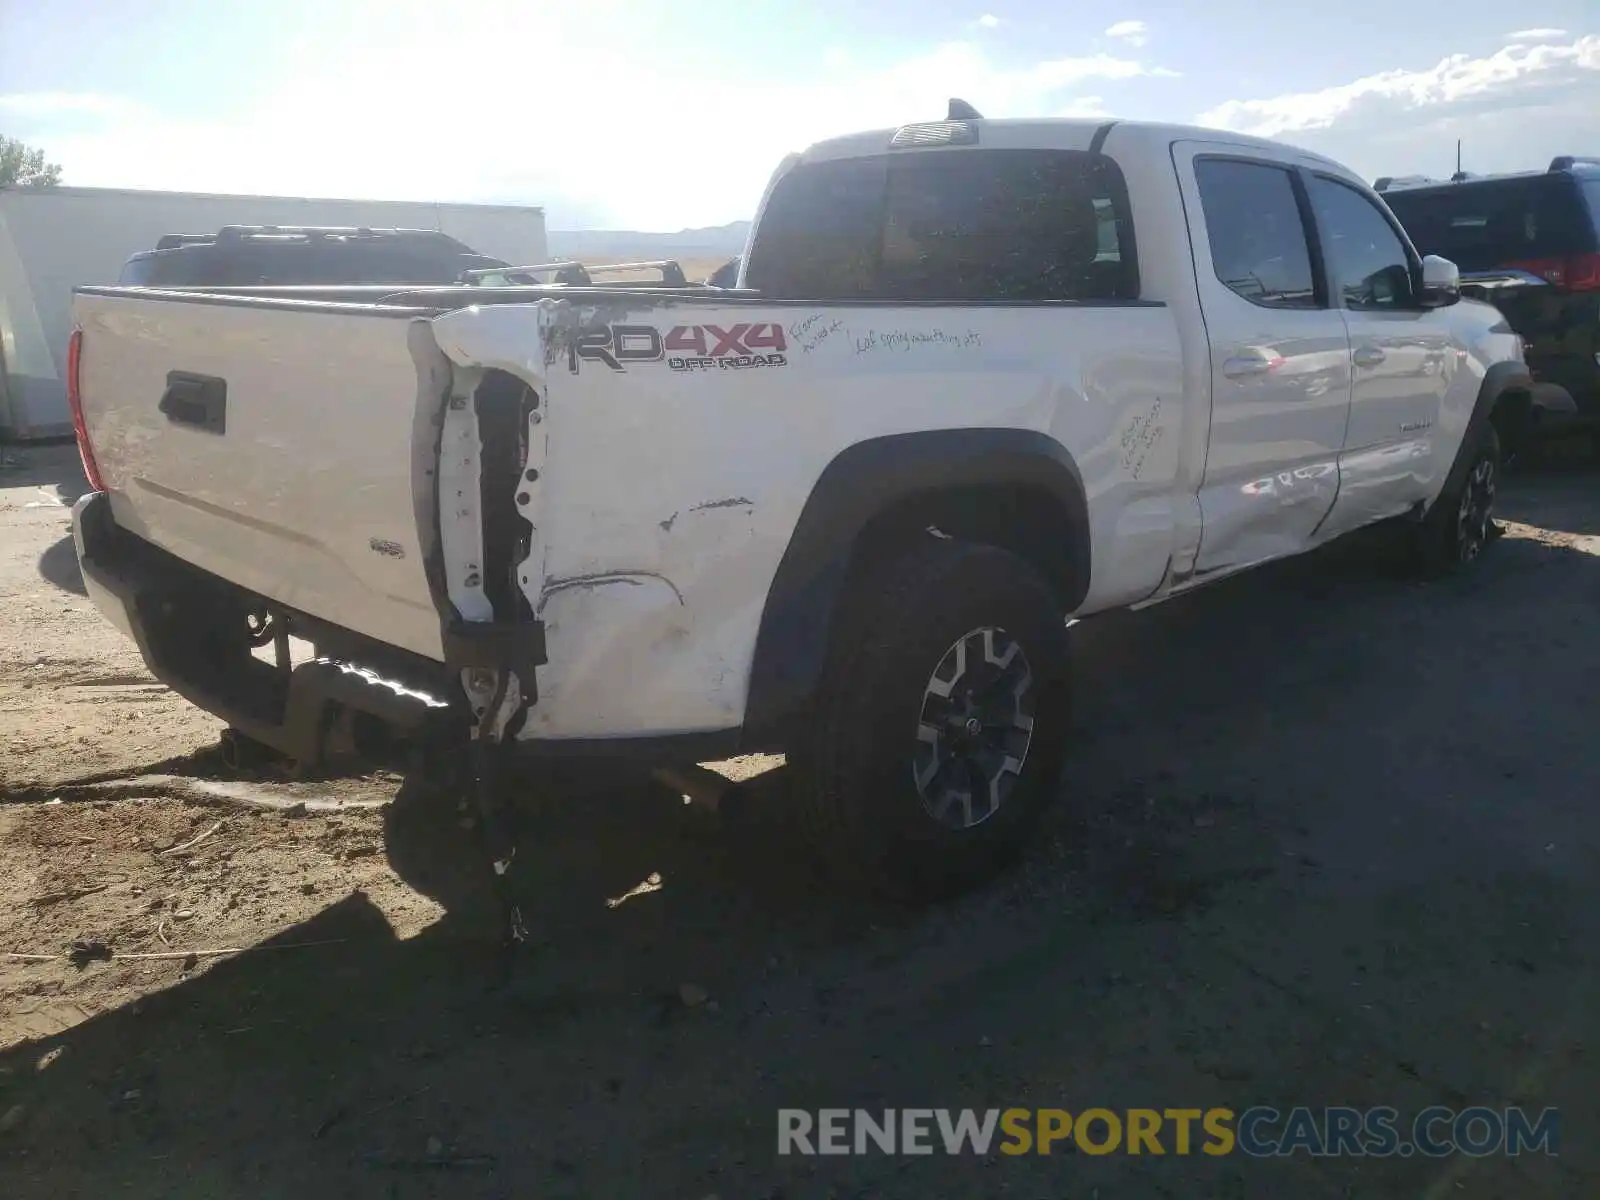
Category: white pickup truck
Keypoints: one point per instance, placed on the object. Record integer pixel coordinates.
(977, 377)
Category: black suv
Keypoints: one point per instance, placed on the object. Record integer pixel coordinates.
(253, 255)
(1529, 243)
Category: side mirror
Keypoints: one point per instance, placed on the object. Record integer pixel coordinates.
(1441, 282)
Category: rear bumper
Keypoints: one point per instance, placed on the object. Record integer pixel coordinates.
(144, 592)
(1563, 346)
(1553, 409)
(1573, 378)
(1553, 413)
(1560, 332)
(115, 597)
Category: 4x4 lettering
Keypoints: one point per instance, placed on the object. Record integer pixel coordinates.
(614, 346)
(766, 337)
(729, 341)
(687, 339)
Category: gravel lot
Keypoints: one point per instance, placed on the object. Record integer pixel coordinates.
(1328, 838)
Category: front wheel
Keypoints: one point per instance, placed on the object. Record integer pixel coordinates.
(938, 734)
(1461, 525)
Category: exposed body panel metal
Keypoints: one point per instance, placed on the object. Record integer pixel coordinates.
(670, 495)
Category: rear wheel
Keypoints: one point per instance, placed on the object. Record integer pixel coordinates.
(938, 735)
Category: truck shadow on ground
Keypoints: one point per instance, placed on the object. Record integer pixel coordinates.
(58, 565)
(55, 469)
(1285, 870)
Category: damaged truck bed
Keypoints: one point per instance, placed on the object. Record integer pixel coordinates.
(608, 485)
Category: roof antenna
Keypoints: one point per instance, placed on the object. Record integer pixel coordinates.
(960, 110)
(1458, 156)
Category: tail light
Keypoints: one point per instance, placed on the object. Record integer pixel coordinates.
(1581, 273)
(75, 403)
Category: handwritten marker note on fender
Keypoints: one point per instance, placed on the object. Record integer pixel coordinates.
(1140, 438)
(907, 340)
(814, 331)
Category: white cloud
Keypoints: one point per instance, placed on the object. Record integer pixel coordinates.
(47, 105)
(987, 21)
(1083, 108)
(1134, 33)
(1513, 109)
(658, 147)
(1065, 72)
(1536, 35)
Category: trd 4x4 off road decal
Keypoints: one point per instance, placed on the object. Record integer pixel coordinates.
(684, 347)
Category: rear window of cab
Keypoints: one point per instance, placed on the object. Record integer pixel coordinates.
(963, 226)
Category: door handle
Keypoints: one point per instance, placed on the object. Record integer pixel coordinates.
(1369, 356)
(1242, 366)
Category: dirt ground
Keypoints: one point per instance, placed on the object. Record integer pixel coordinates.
(1327, 838)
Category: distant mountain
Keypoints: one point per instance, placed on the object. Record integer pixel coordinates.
(597, 245)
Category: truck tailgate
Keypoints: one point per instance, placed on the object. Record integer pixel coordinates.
(289, 448)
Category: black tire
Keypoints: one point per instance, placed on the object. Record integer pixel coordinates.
(1460, 526)
(860, 800)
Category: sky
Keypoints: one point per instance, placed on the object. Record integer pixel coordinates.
(660, 115)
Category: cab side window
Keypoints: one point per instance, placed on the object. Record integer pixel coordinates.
(1366, 260)
(1259, 248)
